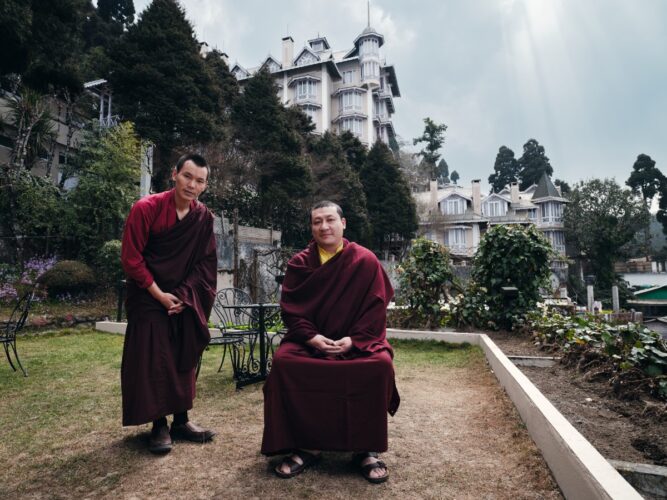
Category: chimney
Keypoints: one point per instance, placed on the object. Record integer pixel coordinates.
(434, 197)
(514, 192)
(476, 197)
(288, 51)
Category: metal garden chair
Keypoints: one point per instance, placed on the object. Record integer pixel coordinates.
(13, 327)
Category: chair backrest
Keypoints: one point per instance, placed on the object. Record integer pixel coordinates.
(19, 315)
(233, 318)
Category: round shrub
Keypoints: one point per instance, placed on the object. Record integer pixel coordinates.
(108, 262)
(68, 277)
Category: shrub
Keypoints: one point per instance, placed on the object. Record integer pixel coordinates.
(68, 277)
(511, 255)
(426, 279)
(108, 262)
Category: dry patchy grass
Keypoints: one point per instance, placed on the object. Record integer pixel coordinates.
(456, 434)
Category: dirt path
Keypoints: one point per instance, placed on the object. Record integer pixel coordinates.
(456, 435)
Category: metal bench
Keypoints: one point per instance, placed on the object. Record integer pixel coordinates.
(12, 327)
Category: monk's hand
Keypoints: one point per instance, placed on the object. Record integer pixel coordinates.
(172, 304)
(345, 344)
(324, 344)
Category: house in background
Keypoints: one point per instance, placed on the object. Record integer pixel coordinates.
(458, 217)
(340, 90)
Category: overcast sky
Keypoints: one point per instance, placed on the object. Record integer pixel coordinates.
(586, 78)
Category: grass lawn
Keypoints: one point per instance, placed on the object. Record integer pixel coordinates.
(456, 434)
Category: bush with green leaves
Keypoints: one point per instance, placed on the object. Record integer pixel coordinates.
(108, 263)
(512, 256)
(629, 355)
(426, 280)
(68, 277)
(470, 309)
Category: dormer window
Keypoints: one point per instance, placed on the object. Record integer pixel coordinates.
(318, 46)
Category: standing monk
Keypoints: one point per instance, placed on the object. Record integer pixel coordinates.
(169, 257)
(332, 379)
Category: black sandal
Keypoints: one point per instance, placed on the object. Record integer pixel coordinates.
(295, 468)
(365, 470)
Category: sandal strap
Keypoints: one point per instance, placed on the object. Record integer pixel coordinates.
(372, 466)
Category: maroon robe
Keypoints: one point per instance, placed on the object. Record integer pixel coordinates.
(310, 401)
(161, 351)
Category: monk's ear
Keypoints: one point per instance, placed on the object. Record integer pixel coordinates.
(344, 222)
(173, 174)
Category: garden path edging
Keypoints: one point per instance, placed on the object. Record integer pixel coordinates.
(579, 469)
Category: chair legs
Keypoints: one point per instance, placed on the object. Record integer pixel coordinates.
(16, 355)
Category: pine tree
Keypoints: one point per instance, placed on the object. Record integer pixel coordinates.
(505, 170)
(335, 180)
(434, 138)
(116, 11)
(162, 85)
(391, 209)
(355, 151)
(533, 164)
(443, 171)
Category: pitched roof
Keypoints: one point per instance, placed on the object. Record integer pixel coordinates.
(546, 189)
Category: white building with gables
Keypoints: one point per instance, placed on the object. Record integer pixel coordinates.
(339, 90)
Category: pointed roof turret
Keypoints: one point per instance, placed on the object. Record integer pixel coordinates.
(546, 189)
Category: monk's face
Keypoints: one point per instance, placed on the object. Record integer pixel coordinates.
(190, 181)
(327, 228)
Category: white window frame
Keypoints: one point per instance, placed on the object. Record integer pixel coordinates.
(348, 76)
(306, 90)
(455, 206)
(552, 211)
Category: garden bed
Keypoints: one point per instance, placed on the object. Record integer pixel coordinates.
(627, 430)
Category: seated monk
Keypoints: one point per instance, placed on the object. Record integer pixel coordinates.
(332, 379)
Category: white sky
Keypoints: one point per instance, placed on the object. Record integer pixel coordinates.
(586, 78)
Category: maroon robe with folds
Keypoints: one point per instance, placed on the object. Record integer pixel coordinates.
(312, 402)
(161, 351)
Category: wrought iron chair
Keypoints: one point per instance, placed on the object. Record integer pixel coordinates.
(236, 325)
(14, 326)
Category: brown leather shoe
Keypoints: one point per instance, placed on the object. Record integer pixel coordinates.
(191, 432)
(160, 440)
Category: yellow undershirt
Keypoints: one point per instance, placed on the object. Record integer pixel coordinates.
(326, 256)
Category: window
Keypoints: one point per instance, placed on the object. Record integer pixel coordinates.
(310, 111)
(348, 76)
(495, 208)
(353, 125)
(532, 213)
(370, 69)
(370, 46)
(552, 212)
(455, 237)
(557, 240)
(455, 206)
(305, 89)
(349, 101)
(318, 46)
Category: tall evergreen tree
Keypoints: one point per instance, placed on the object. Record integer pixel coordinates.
(335, 180)
(117, 11)
(533, 164)
(162, 85)
(391, 208)
(434, 138)
(647, 181)
(443, 171)
(355, 151)
(272, 137)
(42, 42)
(505, 170)
(455, 177)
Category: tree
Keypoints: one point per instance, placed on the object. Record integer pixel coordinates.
(646, 181)
(391, 209)
(117, 11)
(335, 180)
(355, 151)
(511, 256)
(533, 164)
(162, 85)
(455, 177)
(599, 219)
(107, 187)
(443, 171)
(505, 170)
(272, 138)
(434, 138)
(564, 186)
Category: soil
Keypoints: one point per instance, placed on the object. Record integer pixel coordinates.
(628, 430)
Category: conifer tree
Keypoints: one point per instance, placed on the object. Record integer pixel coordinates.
(335, 180)
(533, 164)
(505, 170)
(162, 85)
(391, 210)
(355, 151)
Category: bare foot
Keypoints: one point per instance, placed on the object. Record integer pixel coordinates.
(284, 466)
(374, 473)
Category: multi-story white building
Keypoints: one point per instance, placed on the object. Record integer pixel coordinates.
(340, 90)
(458, 217)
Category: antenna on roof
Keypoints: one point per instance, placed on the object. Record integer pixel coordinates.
(369, 13)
